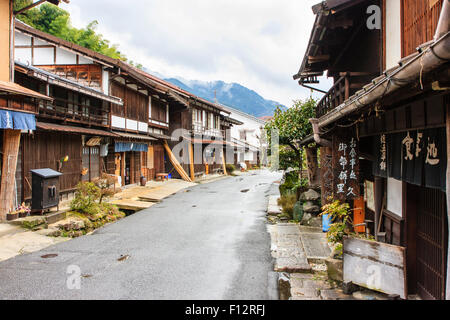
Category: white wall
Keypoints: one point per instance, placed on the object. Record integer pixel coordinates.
(393, 33)
(45, 56)
(395, 197)
(251, 125)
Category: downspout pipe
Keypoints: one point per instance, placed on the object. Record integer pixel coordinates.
(444, 21)
(320, 141)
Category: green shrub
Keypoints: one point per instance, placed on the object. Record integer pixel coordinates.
(86, 197)
(291, 182)
(230, 168)
(287, 202)
(88, 201)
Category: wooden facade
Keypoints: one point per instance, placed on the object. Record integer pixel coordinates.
(135, 104)
(89, 75)
(94, 101)
(419, 22)
(44, 150)
(402, 137)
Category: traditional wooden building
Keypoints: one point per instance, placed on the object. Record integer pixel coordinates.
(384, 127)
(135, 112)
(122, 115)
(198, 129)
(17, 110)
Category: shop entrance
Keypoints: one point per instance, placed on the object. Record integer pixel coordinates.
(427, 242)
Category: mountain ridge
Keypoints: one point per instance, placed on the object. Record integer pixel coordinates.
(229, 94)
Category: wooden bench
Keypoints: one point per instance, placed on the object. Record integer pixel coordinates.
(162, 176)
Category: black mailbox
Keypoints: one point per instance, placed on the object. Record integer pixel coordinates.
(45, 193)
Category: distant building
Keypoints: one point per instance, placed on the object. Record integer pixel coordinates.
(249, 136)
(266, 118)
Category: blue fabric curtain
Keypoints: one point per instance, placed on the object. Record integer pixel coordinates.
(130, 146)
(17, 120)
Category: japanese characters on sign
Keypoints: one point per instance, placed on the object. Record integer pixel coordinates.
(383, 153)
(346, 168)
(416, 156)
(413, 148)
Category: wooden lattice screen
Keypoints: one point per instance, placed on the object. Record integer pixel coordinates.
(420, 19)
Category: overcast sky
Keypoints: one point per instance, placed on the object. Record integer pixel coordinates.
(257, 43)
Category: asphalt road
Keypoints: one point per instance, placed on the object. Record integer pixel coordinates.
(209, 242)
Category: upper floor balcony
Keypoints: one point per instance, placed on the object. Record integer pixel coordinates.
(69, 111)
(348, 84)
(199, 129)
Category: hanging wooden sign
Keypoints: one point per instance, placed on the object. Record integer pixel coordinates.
(346, 166)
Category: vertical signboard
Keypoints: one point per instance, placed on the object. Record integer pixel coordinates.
(346, 166)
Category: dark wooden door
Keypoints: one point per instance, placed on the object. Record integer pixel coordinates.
(432, 235)
(158, 158)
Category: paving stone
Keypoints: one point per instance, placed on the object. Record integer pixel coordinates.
(291, 265)
(315, 246)
(284, 286)
(301, 276)
(369, 295)
(302, 298)
(306, 292)
(274, 210)
(335, 269)
(316, 284)
(335, 294)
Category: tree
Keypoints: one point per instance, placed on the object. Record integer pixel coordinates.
(293, 124)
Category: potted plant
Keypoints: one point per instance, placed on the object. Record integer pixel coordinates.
(23, 210)
(12, 216)
(338, 217)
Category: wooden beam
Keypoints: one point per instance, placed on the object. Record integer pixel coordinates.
(11, 144)
(224, 164)
(176, 164)
(341, 23)
(317, 59)
(447, 102)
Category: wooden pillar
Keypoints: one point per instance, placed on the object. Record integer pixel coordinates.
(123, 164)
(191, 161)
(326, 173)
(447, 100)
(378, 194)
(11, 143)
(313, 167)
(224, 163)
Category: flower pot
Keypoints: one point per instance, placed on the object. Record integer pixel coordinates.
(12, 216)
(23, 214)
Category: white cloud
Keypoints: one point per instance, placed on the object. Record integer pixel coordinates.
(257, 43)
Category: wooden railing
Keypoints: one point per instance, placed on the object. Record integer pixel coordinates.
(338, 93)
(74, 112)
(199, 129)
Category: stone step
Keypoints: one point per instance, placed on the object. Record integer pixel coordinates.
(56, 216)
(315, 246)
(287, 249)
(131, 205)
